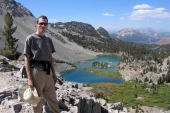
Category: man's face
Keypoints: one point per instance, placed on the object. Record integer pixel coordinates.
(42, 25)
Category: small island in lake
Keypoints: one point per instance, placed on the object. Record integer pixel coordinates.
(102, 65)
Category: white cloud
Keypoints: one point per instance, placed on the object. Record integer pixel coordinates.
(107, 14)
(143, 6)
(122, 18)
(154, 13)
(52, 20)
(157, 21)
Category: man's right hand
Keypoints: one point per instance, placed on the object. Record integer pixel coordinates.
(30, 83)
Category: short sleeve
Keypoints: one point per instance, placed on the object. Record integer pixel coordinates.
(27, 46)
(52, 47)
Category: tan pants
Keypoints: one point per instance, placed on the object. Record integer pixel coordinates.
(44, 85)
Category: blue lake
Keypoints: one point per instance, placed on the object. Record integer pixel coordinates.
(81, 76)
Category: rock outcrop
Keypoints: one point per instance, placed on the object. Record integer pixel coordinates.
(103, 32)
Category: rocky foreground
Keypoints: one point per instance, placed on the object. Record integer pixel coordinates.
(72, 97)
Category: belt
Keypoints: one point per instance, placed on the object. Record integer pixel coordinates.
(44, 64)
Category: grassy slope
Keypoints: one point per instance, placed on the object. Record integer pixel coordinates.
(128, 92)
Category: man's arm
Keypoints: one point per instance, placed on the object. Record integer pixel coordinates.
(53, 70)
(28, 70)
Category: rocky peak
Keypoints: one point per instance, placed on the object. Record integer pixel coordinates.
(78, 27)
(127, 31)
(103, 32)
(14, 8)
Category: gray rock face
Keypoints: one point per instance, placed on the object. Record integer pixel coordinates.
(16, 9)
(103, 32)
(90, 105)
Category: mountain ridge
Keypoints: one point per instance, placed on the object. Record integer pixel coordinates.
(138, 36)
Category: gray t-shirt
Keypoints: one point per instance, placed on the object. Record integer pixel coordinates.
(39, 48)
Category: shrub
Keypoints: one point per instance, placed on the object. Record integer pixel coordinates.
(10, 54)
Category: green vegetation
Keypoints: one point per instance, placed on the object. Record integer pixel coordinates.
(102, 65)
(135, 94)
(103, 72)
(10, 51)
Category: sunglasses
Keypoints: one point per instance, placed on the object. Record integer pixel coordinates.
(42, 23)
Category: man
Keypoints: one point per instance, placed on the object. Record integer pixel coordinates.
(39, 63)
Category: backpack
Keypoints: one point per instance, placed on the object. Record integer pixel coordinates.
(23, 72)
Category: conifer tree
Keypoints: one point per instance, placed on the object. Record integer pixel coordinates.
(8, 31)
(10, 50)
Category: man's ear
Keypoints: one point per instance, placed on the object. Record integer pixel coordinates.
(36, 25)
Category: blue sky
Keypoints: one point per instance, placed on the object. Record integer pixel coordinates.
(109, 14)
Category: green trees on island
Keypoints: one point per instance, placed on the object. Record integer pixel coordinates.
(102, 65)
(10, 51)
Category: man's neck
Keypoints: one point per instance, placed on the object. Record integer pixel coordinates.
(41, 34)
